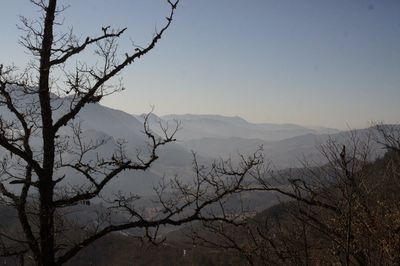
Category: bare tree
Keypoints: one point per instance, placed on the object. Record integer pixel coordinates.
(345, 212)
(43, 142)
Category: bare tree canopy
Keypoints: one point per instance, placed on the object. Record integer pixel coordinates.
(345, 212)
(44, 143)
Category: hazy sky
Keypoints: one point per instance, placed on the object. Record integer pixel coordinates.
(312, 62)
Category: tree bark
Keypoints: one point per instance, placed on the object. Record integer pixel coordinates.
(45, 177)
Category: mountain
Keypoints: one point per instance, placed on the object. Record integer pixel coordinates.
(217, 126)
(209, 136)
(284, 145)
(287, 153)
(98, 123)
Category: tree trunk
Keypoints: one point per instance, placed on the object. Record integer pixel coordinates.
(46, 185)
(46, 223)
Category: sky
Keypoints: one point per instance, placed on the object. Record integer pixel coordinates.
(332, 63)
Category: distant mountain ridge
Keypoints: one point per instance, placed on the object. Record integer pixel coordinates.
(209, 136)
(218, 126)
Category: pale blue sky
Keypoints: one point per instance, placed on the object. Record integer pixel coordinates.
(311, 62)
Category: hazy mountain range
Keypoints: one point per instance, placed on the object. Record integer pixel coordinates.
(217, 126)
(209, 136)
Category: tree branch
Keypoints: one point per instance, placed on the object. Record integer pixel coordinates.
(87, 98)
